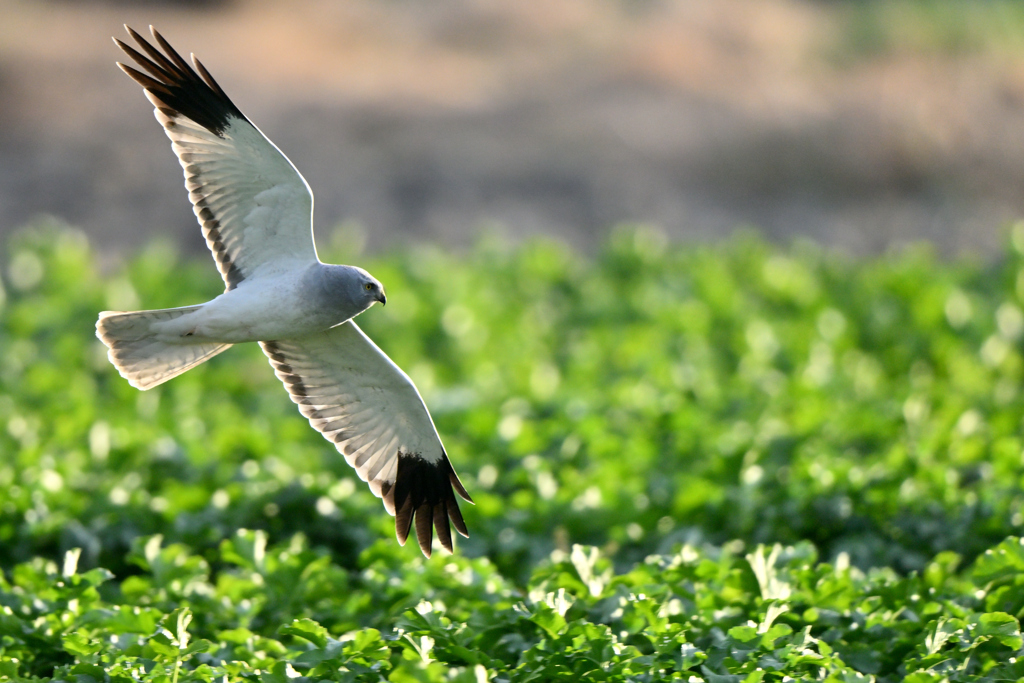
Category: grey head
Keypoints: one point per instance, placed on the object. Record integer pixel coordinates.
(347, 289)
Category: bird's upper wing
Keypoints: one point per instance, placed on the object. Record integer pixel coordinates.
(359, 399)
(255, 209)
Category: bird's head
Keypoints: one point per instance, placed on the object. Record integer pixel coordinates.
(346, 290)
(371, 290)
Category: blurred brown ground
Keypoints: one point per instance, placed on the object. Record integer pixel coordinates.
(433, 120)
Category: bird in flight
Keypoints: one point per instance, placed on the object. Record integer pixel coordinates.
(256, 213)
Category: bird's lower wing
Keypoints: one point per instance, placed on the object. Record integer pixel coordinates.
(355, 396)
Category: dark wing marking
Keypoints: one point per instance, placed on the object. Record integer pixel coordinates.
(197, 97)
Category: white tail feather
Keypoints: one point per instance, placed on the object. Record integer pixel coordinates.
(139, 356)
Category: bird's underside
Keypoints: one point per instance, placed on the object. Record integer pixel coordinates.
(255, 211)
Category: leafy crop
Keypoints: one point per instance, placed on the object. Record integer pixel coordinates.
(730, 462)
(286, 612)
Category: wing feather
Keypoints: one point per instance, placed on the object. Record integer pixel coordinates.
(353, 394)
(255, 209)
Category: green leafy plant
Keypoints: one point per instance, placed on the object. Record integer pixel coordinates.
(728, 462)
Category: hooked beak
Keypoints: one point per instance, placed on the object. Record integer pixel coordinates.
(383, 299)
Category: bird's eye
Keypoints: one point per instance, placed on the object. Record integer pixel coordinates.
(369, 286)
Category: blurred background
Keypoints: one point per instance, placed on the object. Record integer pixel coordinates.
(861, 124)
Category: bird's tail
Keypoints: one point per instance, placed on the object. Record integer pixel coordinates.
(140, 356)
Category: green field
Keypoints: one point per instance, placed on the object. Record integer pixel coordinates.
(730, 462)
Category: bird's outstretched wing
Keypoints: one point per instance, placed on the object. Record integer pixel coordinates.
(354, 395)
(255, 209)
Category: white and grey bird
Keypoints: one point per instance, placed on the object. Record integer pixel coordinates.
(256, 212)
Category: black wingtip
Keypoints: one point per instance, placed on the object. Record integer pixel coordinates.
(457, 484)
(444, 531)
(425, 528)
(403, 521)
(177, 85)
(424, 495)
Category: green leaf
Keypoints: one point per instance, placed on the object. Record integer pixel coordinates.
(1003, 627)
(80, 645)
(940, 634)
(97, 576)
(238, 636)
(307, 629)
(164, 646)
(774, 633)
(924, 677)
(763, 566)
(690, 656)
(180, 618)
(196, 646)
(84, 671)
(754, 676)
(368, 644)
(1005, 561)
(549, 620)
(744, 634)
